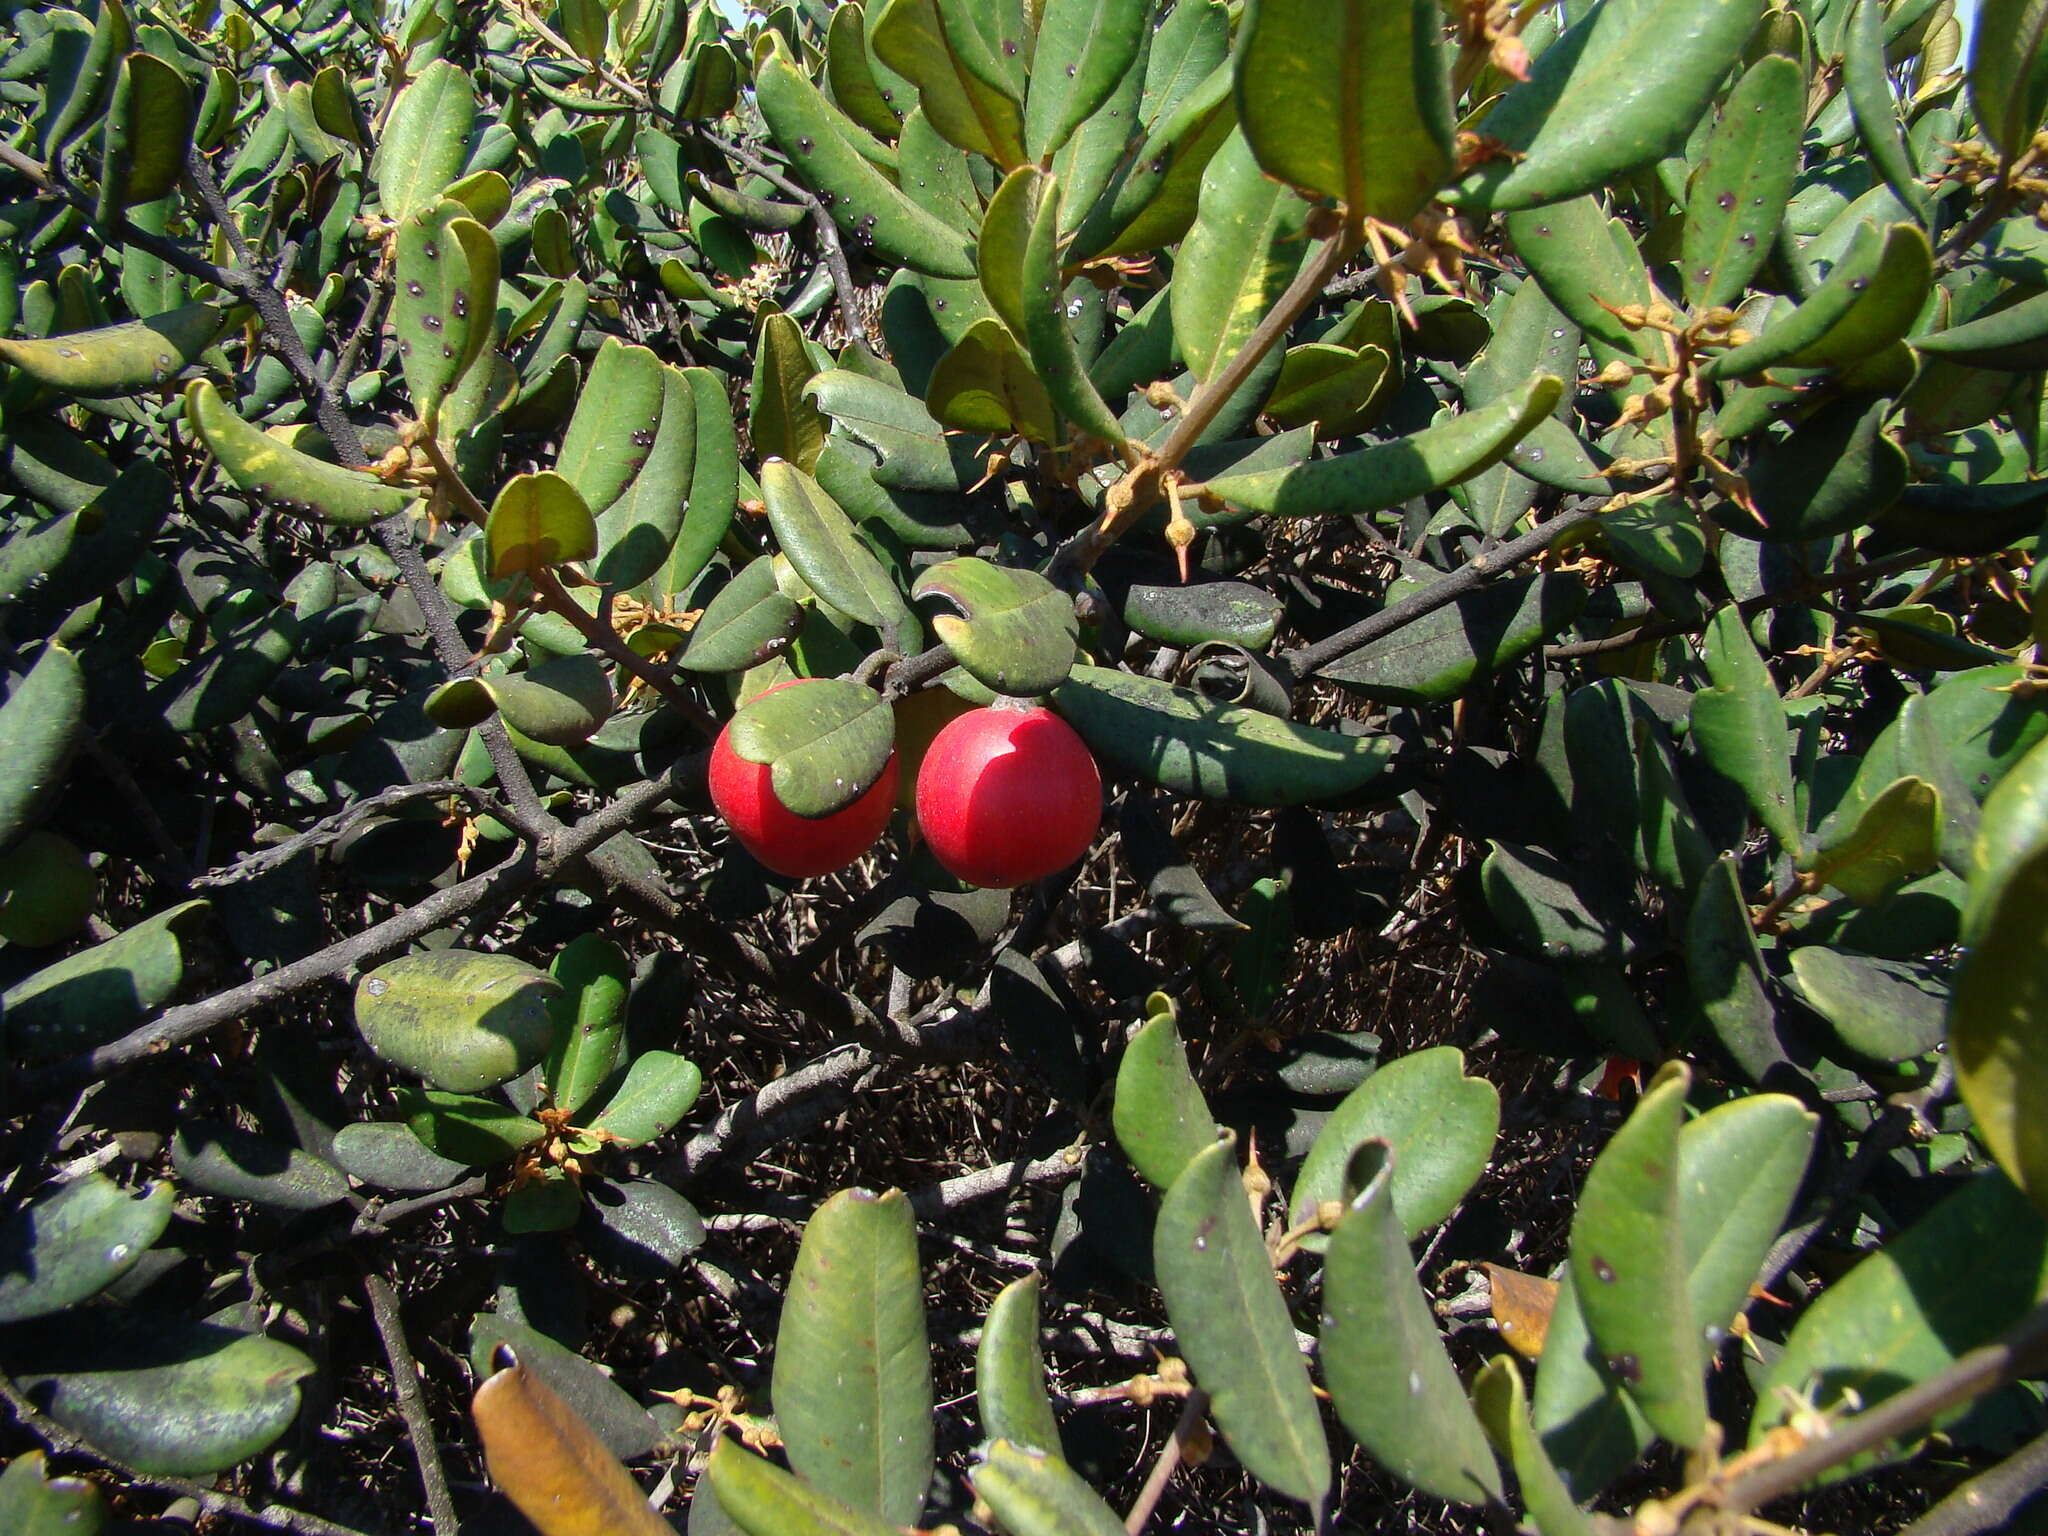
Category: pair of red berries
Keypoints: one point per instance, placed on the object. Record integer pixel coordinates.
(1005, 796)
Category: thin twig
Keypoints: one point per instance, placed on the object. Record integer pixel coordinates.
(2022, 1350)
(1987, 1501)
(1191, 1412)
(333, 829)
(1469, 577)
(412, 1404)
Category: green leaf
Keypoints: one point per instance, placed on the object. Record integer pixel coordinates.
(823, 143)
(1882, 1010)
(1349, 100)
(99, 993)
(425, 140)
(1159, 1114)
(1183, 741)
(1895, 838)
(33, 1503)
(1469, 639)
(69, 1246)
(40, 725)
(537, 521)
(1373, 479)
(1327, 384)
(1726, 973)
(1913, 1306)
(1739, 1168)
(1034, 1493)
(641, 1227)
(621, 1426)
(82, 66)
(1045, 313)
(750, 621)
(850, 73)
(617, 425)
(1439, 1123)
(1994, 1019)
(1834, 472)
(713, 486)
(1628, 1264)
(1084, 49)
(1232, 1326)
(985, 385)
(1153, 199)
(1498, 1399)
(1236, 612)
(826, 741)
(2008, 335)
(548, 1462)
(1248, 241)
(979, 117)
(853, 1394)
(1739, 727)
(226, 1160)
(461, 1019)
(781, 420)
(445, 304)
(993, 40)
(561, 702)
(658, 1090)
(1383, 1359)
(763, 1500)
(1620, 89)
(1015, 631)
(1871, 298)
(149, 130)
(1588, 265)
(819, 539)
(2008, 73)
(174, 1398)
(1866, 81)
(1738, 196)
(911, 448)
(119, 359)
(389, 1156)
(588, 1019)
(550, 1202)
(1009, 1371)
(477, 1133)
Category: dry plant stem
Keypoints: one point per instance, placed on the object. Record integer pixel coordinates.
(412, 1405)
(1987, 1501)
(333, 828)
(2023, 1350)
(1469, 577)
(1994, 207)
(120, 231)
(1134, 495)
(1666, 629)
(1191, 1413)
(176, 1026)
(393, 533)
(226, 1506)
(597, 631)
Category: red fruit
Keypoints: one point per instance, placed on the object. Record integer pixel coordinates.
(1007, 796)
(789, 844)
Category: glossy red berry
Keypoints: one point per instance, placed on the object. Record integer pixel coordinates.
(789, 844)
(1007, 796)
